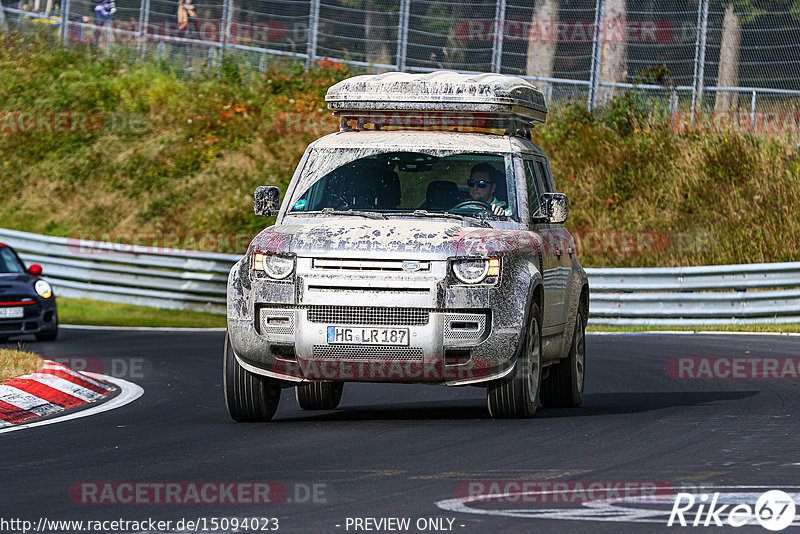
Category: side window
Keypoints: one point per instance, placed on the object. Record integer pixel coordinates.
(543, 170)
(535, 187)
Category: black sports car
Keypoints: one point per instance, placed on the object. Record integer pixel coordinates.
(27, 303)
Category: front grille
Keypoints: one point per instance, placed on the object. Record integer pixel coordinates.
(10, 327)
(338, 264)
(367, 352)
(364, 315)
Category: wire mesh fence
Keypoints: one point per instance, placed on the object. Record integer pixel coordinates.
(727, 61)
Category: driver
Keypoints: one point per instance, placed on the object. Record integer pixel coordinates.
(482, 186)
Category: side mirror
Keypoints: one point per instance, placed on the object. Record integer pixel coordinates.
(555, 207)
(35, 269)
(266, 201)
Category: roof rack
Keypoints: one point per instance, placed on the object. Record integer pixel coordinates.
(442, 100)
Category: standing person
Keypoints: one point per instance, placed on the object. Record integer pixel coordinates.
(186, 15)
(104, 17)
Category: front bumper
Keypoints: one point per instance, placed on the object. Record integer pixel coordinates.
(39, 316)
(453, 347)
(456, 335)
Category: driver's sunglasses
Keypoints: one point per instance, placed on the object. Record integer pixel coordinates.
(479, 183)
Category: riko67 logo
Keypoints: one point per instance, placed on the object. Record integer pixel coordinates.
(774, 510)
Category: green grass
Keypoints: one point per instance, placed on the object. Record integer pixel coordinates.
(787, 327)
(92, 312)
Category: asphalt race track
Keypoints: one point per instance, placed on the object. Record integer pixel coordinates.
(397, 451)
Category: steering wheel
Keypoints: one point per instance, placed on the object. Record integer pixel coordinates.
(477, 202)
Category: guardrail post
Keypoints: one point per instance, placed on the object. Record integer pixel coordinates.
(673, 102)
(313, 27)
(597, 34)
(3, 25)
(699, 56)
(402, 34)
(499, 31)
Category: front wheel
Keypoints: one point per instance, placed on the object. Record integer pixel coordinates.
(319, 395)
(249, 397)
(564, 387)
(518, 396)
(48, 335)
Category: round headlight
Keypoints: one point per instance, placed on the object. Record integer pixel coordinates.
(43, 289)
(278, 267)
(471, 271)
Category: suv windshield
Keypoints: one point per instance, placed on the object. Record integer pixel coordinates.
(9, 262)
(466, 184)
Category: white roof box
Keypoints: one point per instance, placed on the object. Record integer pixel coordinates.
(496, 96)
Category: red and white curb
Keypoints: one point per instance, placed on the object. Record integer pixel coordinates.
(51, 389)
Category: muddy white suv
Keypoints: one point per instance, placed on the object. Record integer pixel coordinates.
(422, 243)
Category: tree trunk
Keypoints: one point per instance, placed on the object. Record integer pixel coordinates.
(376, 50)
(614, 49)
(728, 75)
(48, 8)
(542, 40)
(3, 25)
(453, 51)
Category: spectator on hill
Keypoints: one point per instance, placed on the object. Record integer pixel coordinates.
(104, 17)
(186, 26)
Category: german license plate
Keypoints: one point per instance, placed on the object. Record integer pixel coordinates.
(363, 335)
(11, 313)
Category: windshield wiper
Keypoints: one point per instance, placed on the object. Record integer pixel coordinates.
(447, 215)
(369, 214)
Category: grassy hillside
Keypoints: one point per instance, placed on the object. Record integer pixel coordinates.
(149, 149)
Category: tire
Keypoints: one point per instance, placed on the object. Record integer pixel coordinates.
(249, 397)
(48, 335)
(518, 396)
(319, 395)
(564, 387)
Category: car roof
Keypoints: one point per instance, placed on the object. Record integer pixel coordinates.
(404, 140)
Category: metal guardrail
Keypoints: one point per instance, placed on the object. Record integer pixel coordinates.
(190, 280)
(721, 294)
(162, 278)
